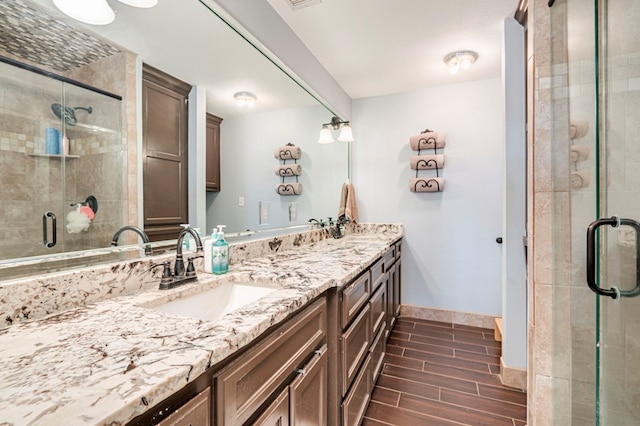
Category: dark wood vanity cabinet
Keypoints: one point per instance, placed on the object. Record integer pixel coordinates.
(246, 385)
(195, 412)
(360, 314)
(212, 148)
(317, 368)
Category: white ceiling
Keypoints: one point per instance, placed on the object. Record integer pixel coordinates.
(377, 47)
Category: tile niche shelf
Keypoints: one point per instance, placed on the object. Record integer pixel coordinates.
(55, 156)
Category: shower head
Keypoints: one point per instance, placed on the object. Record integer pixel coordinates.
(68, 114)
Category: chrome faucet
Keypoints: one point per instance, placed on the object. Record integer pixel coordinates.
(145, 239)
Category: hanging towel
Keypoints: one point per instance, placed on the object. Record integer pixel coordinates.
(289, 170)
(579, 152)
(427, 141)
(351, 207)
(343, 200)
(293, 188)
(287, 152)
(435, 184)
(426, 162)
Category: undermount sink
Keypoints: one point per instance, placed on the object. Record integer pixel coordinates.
(211, 305)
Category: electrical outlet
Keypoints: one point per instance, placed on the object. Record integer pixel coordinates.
(240, 201)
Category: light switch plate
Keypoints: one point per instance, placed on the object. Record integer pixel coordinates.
(264, 213)
(240, 201)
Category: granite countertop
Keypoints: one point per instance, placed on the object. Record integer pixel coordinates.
(108, 362)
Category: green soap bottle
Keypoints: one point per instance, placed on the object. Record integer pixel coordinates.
(220, 254)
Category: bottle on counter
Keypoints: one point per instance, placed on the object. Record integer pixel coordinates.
(208, 247)
(220, 254)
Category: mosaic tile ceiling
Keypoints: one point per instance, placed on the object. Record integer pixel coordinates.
(31, 33)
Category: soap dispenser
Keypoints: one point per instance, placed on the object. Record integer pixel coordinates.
(208, 247)
(220, 254)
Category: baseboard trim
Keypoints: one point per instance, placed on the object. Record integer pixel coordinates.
(444, 315)
(513, 377)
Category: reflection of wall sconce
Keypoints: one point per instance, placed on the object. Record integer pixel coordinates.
(96, 12)
(346, 135)
(462, 59)
(245, 99)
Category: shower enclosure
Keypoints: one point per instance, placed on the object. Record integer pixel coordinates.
(61, 149)
(595, 82)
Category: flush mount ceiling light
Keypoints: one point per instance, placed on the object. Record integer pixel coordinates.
(462, 59)
(96, 12)
(346, 134)
(245, 99)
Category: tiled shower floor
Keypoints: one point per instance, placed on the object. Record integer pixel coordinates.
(437, 373)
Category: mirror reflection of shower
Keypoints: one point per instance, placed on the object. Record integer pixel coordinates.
(68, 114)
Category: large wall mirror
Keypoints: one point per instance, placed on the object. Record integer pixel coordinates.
(190, 41)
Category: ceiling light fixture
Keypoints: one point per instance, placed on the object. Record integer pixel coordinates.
(462, 59)
(245, 99)
(346, 134)
(96, 12)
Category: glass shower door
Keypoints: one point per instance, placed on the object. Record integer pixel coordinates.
(617, 262)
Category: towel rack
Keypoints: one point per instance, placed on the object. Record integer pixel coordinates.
(428, 142)
(288, 188)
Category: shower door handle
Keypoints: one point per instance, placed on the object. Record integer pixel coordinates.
(614, 222)
(54, 234)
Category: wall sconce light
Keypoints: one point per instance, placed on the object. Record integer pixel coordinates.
(346, 134)
(96, 12)
(245, 99)
(462, 59)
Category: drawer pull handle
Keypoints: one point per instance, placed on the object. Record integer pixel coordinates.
(301, 372)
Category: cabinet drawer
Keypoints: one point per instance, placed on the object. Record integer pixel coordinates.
(377, 272)
(354, 347)
(389, 258)
(355, 404)
(379, 308)
(246, 384)
(194, 412)
(378, 348)
(354, 297)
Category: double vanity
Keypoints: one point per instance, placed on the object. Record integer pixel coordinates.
(294, 333)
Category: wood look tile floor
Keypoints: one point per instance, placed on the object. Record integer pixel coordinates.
(441, 374)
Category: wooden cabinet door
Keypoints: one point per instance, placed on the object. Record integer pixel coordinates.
(308, 392)
(195, 412)
(213, 153)
(164, 153)
(277, 414)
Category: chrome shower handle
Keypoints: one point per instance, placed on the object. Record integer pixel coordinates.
(54, 233)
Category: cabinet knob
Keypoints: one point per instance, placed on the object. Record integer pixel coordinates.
(499, 240)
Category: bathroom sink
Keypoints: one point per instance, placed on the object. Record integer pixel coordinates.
(213, 304)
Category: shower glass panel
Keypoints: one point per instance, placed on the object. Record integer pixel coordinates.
(50, 162)
(595, 81)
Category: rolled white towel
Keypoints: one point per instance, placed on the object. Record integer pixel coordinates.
(579, 180)
(579, 152)
(435, 184)
(287, 152)
(426, 162)
(289, 170)
(578, 129)
(428, 140)
(293, 188)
